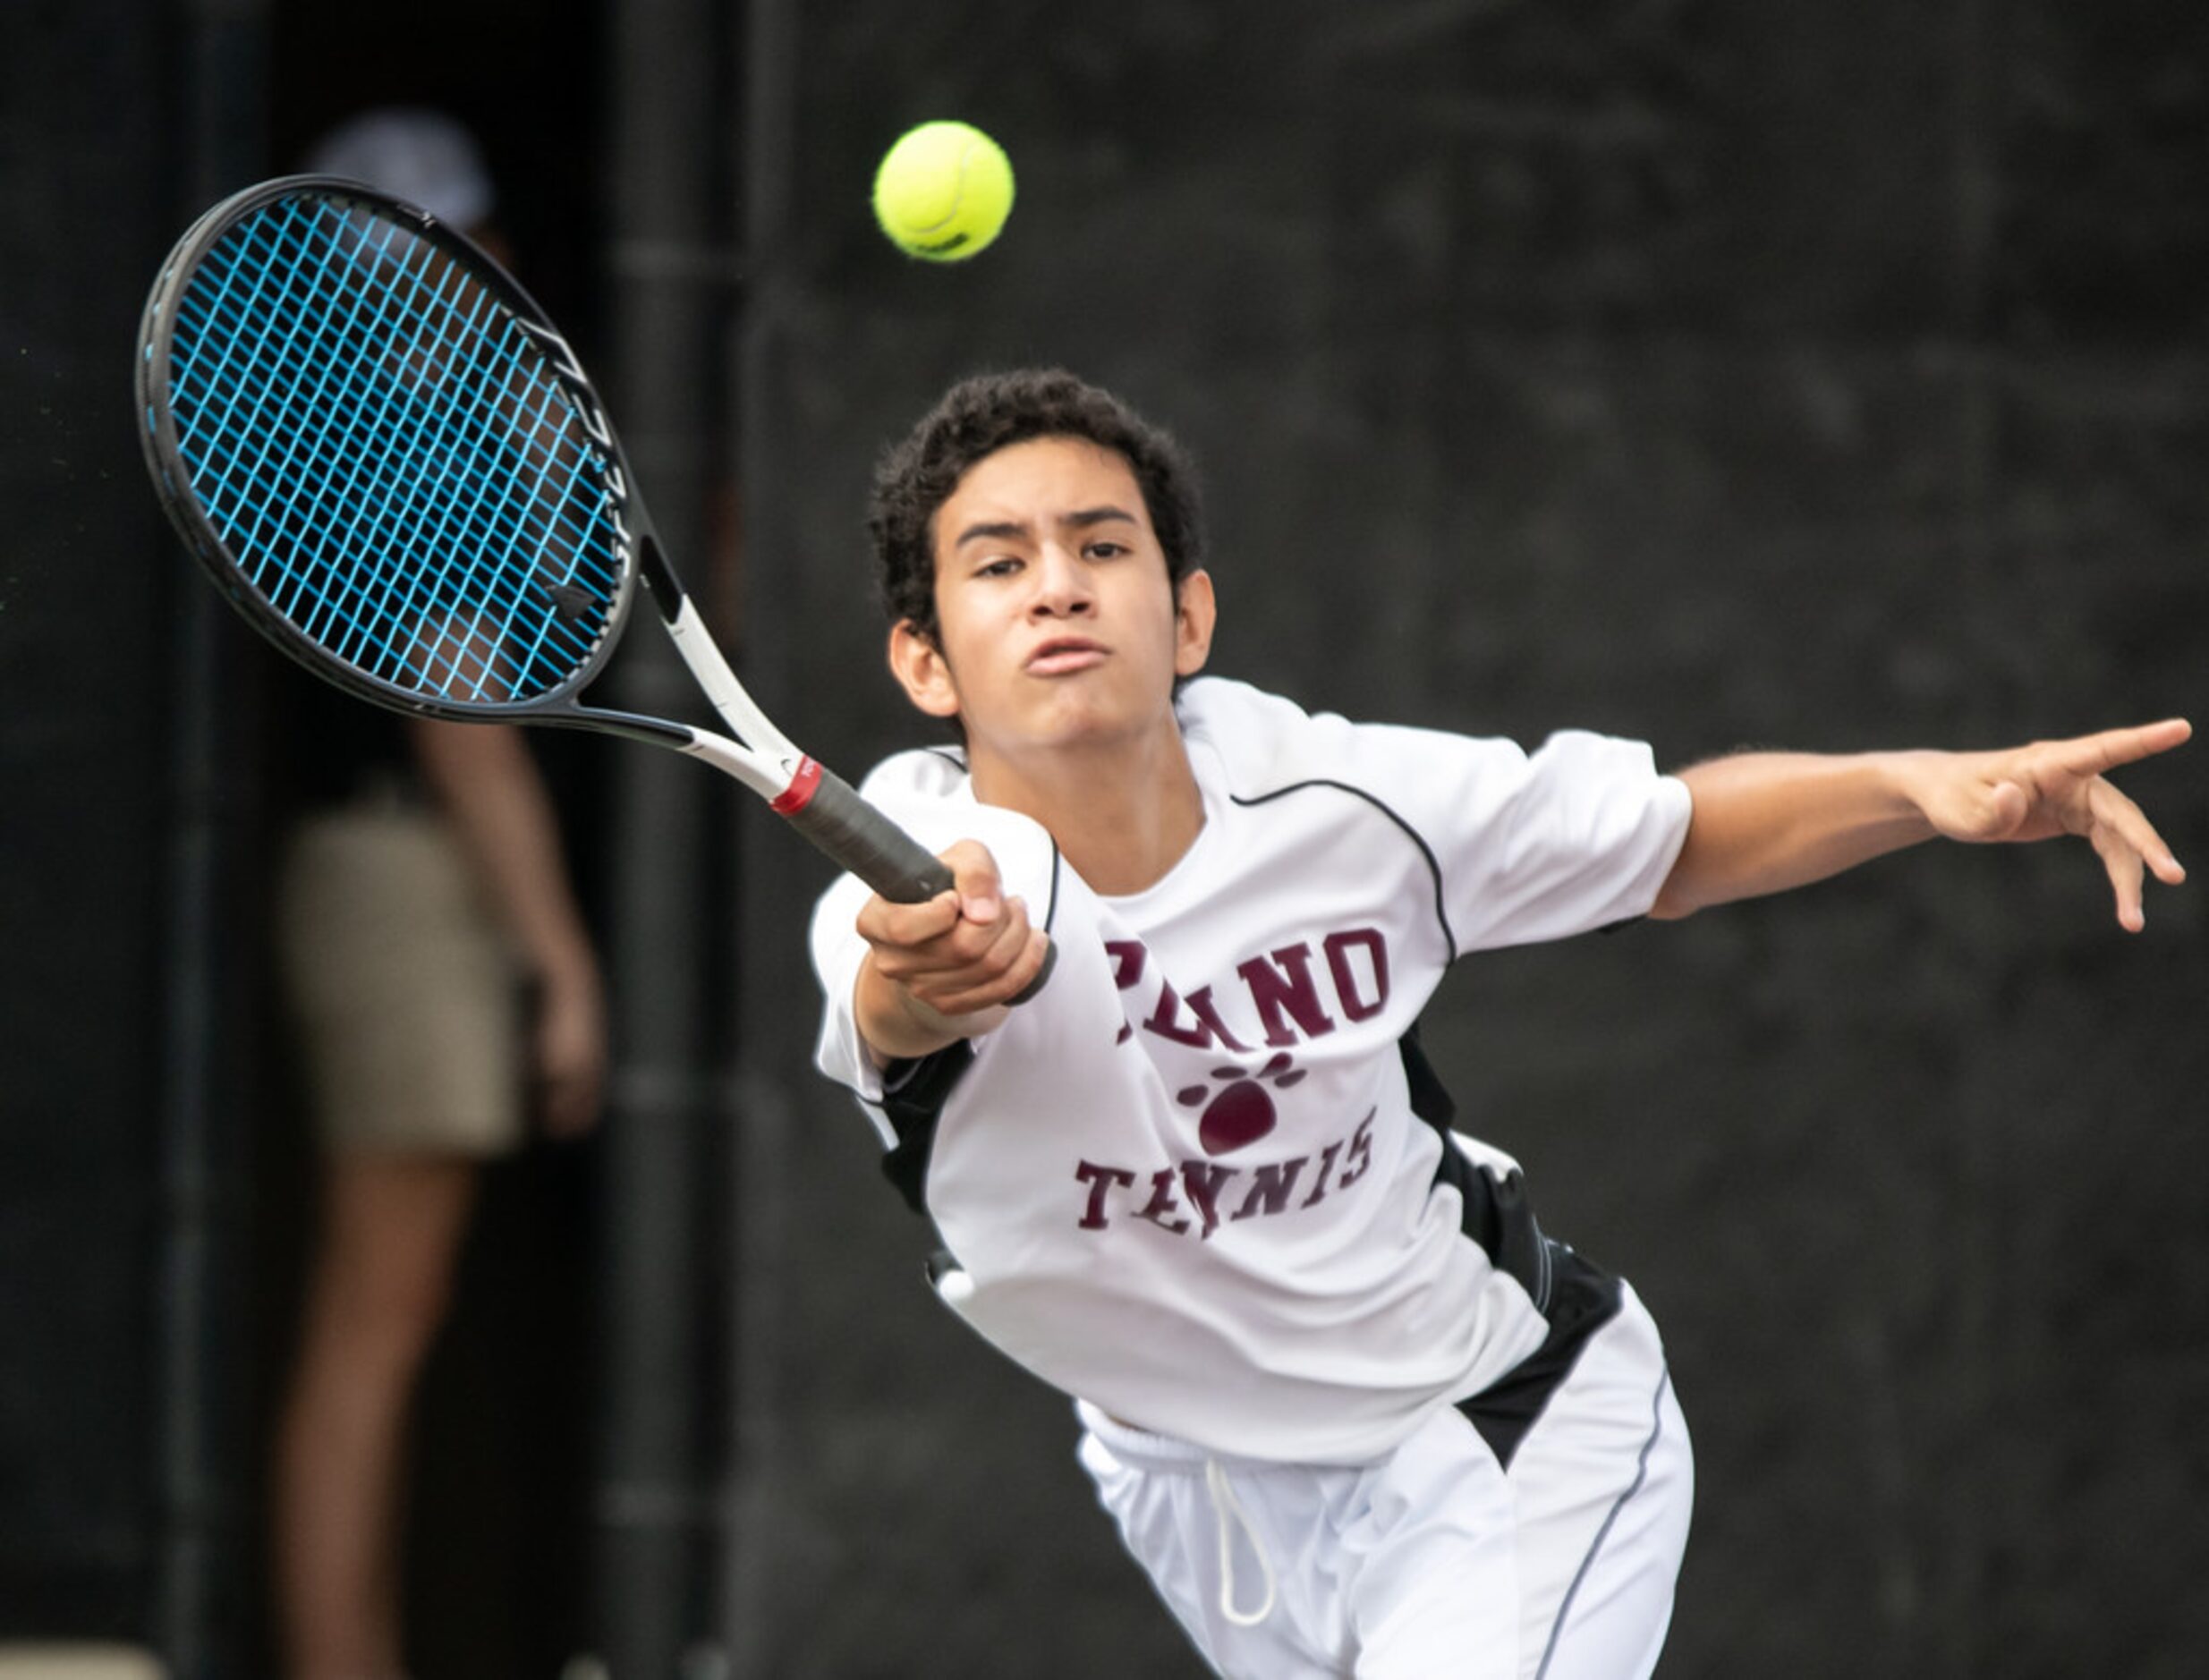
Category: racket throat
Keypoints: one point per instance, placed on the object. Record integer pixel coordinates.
(804, 783)
(693, 641)
(769, 778)
(659, 580)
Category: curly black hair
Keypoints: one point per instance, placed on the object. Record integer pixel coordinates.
(979, 416)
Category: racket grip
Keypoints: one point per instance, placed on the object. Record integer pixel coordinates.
(855, 835)
(860, 838)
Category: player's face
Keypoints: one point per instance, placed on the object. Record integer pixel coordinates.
(1056, 624)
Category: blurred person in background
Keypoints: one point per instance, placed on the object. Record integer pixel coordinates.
(447, 996)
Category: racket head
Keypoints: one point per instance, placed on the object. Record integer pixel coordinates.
(385, 454)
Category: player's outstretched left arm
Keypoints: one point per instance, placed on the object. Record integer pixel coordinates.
(1764, 822)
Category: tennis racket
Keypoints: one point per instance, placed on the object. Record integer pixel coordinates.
(391, 462)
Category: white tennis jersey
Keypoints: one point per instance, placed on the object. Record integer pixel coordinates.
(1186, 1181)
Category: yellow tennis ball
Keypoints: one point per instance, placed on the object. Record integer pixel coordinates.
(943, 192)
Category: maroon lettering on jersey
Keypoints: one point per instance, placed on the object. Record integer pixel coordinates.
(1162, 1204)
(1272, 1184)
(1361, 1156)
(1283, 985)
(1209, 1186)
(1127, 960)
(1319, 1179)
(1100, 1181)
(1206, 1029)
(1202, 1180)
(1283, 988)
(1359, 1001)
(1200, 1005)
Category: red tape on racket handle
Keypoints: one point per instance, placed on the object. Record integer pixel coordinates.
(861, 838)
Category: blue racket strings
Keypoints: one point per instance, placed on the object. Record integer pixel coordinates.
(390, 459)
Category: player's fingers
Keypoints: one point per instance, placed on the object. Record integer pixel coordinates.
(974, 876)
(1010, 985)
(2091, 755)
(984, 946)
(889, 925)
(2125, 873)
(996, 958)
(998, 948)
(1984, 812)
(2112, 809)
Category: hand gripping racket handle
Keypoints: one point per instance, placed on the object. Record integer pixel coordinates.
(861, 838)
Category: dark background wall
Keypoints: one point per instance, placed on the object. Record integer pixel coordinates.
(1820, 375)
(83, 804)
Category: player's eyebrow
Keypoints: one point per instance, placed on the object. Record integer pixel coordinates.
(1006, 530)
(991, 530)
(1088, 516)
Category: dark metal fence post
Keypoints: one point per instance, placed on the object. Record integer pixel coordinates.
(197, 1615)
(766, 53)
(668, 273)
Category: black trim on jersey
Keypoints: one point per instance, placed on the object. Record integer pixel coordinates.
(1575, 1295)
(1430, 1099)
(1050, 911)
(1435, 868)
(913, 1093)
(1498, 1215)
(1583, 1298)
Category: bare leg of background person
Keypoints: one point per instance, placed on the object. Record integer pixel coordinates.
(392, 1232)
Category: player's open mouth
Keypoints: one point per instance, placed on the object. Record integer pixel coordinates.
(1065, 657)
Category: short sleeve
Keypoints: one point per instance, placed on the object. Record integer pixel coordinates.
(1578, 835)
(1524, 847)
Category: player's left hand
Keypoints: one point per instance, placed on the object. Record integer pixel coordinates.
(2060, 787)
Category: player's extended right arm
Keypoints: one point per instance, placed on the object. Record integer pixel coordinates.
(946, 970)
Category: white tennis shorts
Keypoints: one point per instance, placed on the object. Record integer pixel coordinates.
(1436, 1560)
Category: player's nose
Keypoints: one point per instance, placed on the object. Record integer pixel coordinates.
(1062, 583)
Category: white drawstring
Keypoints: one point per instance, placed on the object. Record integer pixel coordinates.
(1230, 1510)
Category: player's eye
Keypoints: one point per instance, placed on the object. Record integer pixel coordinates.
(1105, 548)
(1002, 566)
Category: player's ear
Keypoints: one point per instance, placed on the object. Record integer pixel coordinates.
(921, 669)
(1195, 611)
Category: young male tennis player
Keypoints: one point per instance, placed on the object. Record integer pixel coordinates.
(1352, 1409)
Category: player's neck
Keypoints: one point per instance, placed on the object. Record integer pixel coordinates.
(1122, 815)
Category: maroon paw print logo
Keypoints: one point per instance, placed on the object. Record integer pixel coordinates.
(1240, 1113)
